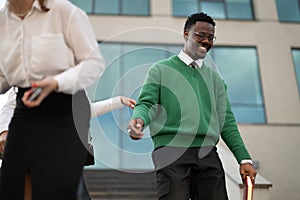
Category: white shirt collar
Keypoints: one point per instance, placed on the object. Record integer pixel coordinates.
(37, 5)
(188, 60)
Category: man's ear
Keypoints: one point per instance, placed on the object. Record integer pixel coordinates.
(185, 35)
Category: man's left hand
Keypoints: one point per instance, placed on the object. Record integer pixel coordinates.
(247, 170)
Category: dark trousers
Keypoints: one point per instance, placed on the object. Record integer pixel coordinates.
(82, 191)
(46, 141)
(192, 173)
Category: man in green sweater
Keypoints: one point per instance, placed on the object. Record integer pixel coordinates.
(185, 104)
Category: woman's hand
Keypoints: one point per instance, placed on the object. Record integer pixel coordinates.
(128, 102)
(47, 85)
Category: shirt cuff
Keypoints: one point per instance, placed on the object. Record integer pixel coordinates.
(246, 161)
(116, 103)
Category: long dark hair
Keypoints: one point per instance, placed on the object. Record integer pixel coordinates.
(42, 4)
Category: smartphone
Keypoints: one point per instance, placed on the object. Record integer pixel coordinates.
(35, 93)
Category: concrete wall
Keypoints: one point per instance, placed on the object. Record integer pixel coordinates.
(276, 148)
(274, 144)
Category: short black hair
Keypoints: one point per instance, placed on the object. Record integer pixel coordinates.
(202, 17)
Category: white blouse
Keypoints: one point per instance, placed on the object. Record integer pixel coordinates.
(101, 107)
(58, 43)
(7, 110)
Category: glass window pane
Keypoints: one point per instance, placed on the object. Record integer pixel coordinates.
(219, 9)
(86, 5)
(107, 7)
(214, 9)
(135, 7)
(111, 53)
(173, 50)
(100, 129)
(296, 57)
(241, 75)
(239, 9)
(136, 60)
(288, 10)
(184, 7)
(143, 55)
(249, 114)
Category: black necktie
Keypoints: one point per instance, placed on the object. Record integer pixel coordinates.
(194, 64)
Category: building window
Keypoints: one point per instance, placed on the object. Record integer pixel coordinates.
(296, 58)
(288, 11)
(240, 70)
(114, 7)
(218, 9)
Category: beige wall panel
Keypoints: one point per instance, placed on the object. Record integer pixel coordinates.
(277, 150)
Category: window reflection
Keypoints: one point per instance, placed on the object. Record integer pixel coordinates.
(218, 9)
(86, 5)
(114, 7)
(241, 74)
(288, 11)
(296, 58)
(215, 9)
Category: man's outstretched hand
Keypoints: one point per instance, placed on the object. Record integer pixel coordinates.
(135, 128)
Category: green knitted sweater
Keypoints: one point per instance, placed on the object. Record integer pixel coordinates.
(187, 107)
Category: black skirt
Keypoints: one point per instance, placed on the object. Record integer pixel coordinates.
(48, 142)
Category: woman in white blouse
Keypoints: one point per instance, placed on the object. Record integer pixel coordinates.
(47, 44)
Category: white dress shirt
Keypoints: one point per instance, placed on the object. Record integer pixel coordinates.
(7, 110)
(188, 60)
(58, 43)
(97, 108)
